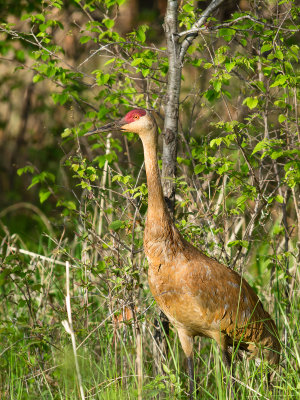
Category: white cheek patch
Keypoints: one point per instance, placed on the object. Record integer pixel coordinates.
(138, 125)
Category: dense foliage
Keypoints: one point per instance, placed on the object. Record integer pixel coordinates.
(68, 67)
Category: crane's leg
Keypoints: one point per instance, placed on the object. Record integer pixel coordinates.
(190, 362)
(227, 362)
(187, 345)
(222, 341)
(226, 359)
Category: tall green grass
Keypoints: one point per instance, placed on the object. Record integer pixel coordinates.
(37, 360)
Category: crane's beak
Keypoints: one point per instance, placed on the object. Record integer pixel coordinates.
(110, 127)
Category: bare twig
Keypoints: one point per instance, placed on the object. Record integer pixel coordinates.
(195, 28)
(36, 255)
(68, 325)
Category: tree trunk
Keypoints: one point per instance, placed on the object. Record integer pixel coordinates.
(170, 131)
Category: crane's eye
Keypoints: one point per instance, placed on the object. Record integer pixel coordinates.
(136, 116)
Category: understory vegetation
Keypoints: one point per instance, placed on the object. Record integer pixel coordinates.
(77, 319)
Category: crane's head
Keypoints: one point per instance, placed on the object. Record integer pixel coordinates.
(137, 121)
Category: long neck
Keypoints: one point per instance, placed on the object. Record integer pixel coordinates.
(156, 204)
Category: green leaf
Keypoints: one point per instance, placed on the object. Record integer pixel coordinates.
(230, 65)
(37, 78)
(188, 8)
(23, 170)
(251, 102)
(101, 266)
(58, 4)
(199, 168)
(41, 17)
(224, 168)
(226, 33)
(116, 225)
(145, 72)
(211, 95)
(166, 369)
(140, 34)
(70, 205)
(216, 141)
(243, 42)
(220, 58)
(20, 55)
(279, 54)
(279, 81)
(280, 103)
(84, 39)
(279, 198)
(110, 61)
(109, 23)
(44, 194)
(60, 98)
(276, 154)
(101, 78)
(25, 16)
(42, 177)
(43, 27)
(260, 146)
(207, 65)
(278, 230)
(242, 243)
(281, 118)
(67, 132)
(101, 160)
(217, 85)
(183, 161)
(137, 61)
(266, 47)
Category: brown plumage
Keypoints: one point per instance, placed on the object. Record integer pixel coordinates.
(200, 296)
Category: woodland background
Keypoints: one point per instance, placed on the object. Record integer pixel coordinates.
(68, 67)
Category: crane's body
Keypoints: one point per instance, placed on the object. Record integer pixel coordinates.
(199, 295)
(202, 297)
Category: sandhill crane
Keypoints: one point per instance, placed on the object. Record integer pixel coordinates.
(200, 296)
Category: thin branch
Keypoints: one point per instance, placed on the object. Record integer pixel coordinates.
(35, 255)
(195, 28)
(228, 24)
